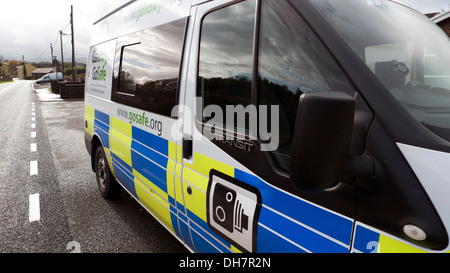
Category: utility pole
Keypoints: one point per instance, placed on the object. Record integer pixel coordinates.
(55, 68)
(62, 54)
(74, 72)
(51, 48)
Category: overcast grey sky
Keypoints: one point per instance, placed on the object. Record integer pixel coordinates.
(27, 27)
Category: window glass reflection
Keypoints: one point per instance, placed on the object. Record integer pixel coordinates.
(148, 69)
(226, 56)
(407, 52)
(291, 62)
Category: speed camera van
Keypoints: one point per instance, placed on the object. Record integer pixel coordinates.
(275, 125)
(50, 77)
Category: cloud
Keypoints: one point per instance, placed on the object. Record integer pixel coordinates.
(28, 27)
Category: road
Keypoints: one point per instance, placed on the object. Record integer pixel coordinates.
(49, 202)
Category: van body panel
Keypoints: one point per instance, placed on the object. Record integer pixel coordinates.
(431, 167)
(50, 77)
(220, 195)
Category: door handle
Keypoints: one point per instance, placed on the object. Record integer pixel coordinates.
(187, 148)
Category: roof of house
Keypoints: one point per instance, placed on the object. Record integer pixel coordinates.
(441, 17)
(43, 71)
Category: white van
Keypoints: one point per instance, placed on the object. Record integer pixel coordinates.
(275, 125)
(48, 78)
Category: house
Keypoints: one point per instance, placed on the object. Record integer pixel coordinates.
(29, 68)
(40, 72)
(443, 21)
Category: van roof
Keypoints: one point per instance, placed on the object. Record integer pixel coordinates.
(126, 16)
(114, 6)
(111, 8)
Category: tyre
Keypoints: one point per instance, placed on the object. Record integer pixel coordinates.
(108, 186)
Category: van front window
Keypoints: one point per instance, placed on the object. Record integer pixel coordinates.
(407, 52)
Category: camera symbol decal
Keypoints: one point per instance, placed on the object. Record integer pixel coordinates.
(233, 210)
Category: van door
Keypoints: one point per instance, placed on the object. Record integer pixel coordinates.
(144, 91)
(249, 63)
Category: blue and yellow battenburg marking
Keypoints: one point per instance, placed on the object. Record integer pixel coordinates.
(150, 168)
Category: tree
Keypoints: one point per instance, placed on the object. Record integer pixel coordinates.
(11, 67)
(2, 67)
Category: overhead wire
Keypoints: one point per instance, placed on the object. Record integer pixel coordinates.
(56, 49)
(47, 48)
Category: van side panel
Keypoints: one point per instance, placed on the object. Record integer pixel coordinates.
(140, 161)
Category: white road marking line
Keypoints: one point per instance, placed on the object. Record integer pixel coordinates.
(33, 168)
(34, 208)
(34, 204)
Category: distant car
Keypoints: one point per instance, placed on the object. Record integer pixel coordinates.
(51, 77)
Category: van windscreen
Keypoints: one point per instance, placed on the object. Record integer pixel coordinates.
(408, 53)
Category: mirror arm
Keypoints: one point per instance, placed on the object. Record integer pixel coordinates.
(357, 166)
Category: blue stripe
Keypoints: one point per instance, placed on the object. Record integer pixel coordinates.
(123, 173)
(149, 153)
(184, 229)
(172, 202)
(101, 127)
(123, 164)
(363, 238)
(102, 130)
(300, 235)
(174, 218)
(151, 171)
(268, 242)
(326, 222)
(201, 245)
(155, 142)
(102, 117)
(142, 140)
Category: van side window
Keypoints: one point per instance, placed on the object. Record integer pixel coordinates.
(291, 61)
(285, 73)
(127, 80)
(147, 68)
(225, 64)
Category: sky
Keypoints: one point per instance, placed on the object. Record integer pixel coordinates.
(28, 27)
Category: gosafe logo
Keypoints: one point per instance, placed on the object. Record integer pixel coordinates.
(98, 72)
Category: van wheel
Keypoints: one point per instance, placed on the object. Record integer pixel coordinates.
(108, 186)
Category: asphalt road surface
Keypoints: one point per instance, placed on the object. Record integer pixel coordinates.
(49, 201)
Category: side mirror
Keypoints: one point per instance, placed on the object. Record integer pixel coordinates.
(321, 140)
